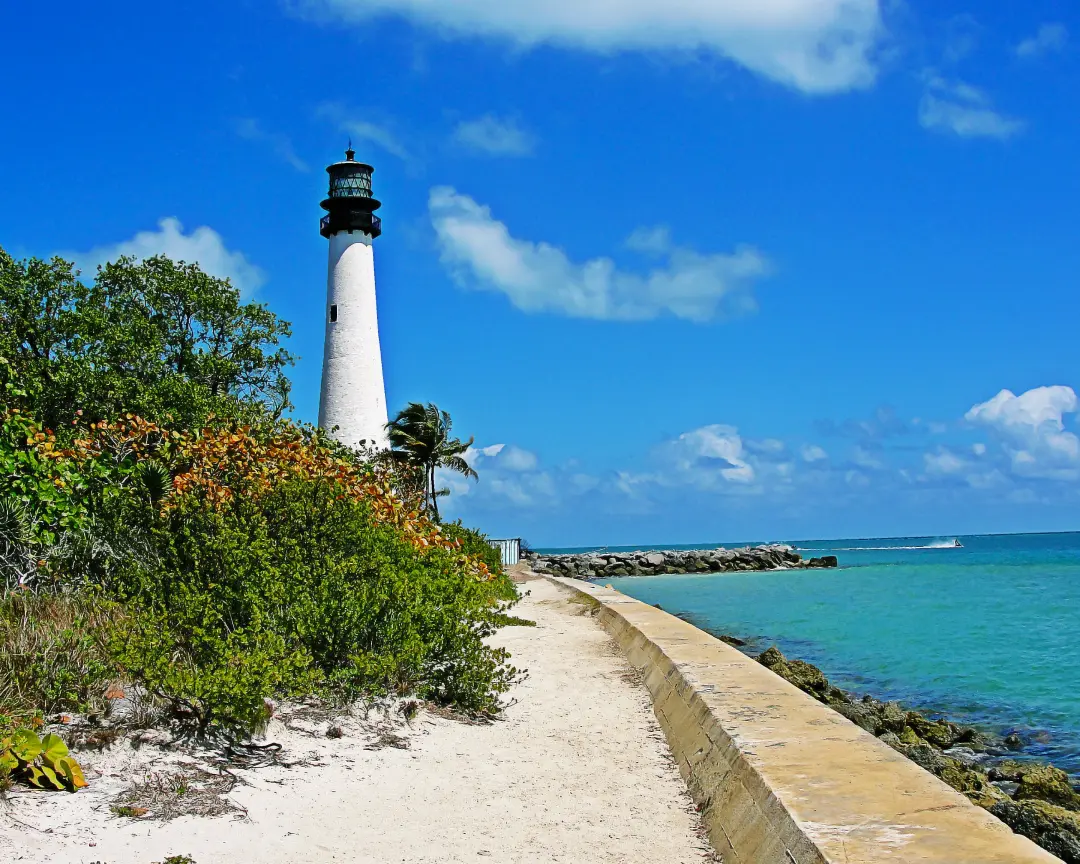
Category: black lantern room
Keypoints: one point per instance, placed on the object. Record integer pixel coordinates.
(349, 204)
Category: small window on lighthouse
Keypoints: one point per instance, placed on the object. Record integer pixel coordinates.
(333, 313)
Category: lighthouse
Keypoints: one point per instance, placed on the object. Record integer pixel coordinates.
(353, 396)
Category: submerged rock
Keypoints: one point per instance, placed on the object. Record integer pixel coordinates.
(1054, 828)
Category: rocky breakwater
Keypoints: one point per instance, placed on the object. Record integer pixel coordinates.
(598, 565)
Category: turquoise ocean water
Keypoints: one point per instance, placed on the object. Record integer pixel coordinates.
(987, 634)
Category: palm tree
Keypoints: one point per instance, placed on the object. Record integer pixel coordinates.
(420, 434)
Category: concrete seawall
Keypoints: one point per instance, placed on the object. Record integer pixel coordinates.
(781, 778)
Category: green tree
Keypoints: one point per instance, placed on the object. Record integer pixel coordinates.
(420, 434)
(154, 337)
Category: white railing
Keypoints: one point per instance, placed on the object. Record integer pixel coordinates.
(509, 550)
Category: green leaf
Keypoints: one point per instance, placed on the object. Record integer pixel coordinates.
(69, 769)
(25, 745)
(53, 748)
(43, 777)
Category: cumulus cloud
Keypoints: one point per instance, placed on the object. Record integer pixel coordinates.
(494, 136)
(481, 253)
(1049, 38)
(707, 456)
(1031, 430)
(817, 46)
(363, 130)
(203, 246)
(812, 453)
(956, 108)
(250, 129)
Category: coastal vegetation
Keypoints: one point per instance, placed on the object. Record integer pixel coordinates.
(169, 539)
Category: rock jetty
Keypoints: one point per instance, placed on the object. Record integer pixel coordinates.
(598, 565)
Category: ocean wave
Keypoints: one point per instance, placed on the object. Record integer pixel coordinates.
(939, 544)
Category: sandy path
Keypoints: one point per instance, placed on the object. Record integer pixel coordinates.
(577, 772)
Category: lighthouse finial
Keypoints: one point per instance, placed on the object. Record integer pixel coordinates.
(350, 153)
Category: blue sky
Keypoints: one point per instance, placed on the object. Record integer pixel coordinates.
(702, 270)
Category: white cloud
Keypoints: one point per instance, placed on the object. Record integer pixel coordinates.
(954, 107)
(1032, 431)
(707, 457)
(813, 453)
(979, 449)
(817, 46)
(538, 277)
(203, 246)
(1049, 38)
(250, 129)
(865, 458)
(362, 130)
(510, 475)
(494, 136)
(944, 461)
(653, 240)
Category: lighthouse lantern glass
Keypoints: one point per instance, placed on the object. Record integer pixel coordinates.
(356, 185)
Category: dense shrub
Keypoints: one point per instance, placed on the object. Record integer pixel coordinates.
(214, 554)
(264, 561)
(312, 593)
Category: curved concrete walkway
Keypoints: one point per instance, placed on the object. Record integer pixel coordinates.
(578, 771)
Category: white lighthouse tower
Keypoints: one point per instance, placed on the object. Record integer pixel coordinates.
(353, 395)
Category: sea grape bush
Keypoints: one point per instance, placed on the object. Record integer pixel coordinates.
(43, 763)
(268, 562)
(161, 525)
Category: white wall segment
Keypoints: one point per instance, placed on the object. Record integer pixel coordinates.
(353, 394)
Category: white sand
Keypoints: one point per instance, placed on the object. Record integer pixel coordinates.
(577, 772)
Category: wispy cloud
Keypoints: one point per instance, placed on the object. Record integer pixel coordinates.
(203, 246)
(956, 108)
(494, 136)
(481, 253)
(1007, 451)
(281, 145)
(1049, 38)
(362, 130)
(817, 46)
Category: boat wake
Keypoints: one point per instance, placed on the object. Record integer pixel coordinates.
(937, 544)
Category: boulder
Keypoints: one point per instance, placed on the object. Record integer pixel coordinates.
(858, 714)
(940, 733)
(1008, 770)
(1054, 828)
(925, 756)
(805, 676)
(1047, 783)
(892, 717)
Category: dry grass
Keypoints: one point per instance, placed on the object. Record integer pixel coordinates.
(54, 653)
(589, 604)
(192, 791)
